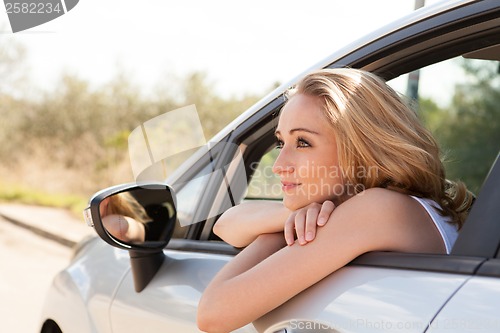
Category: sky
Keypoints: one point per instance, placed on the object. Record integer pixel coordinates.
(243, 47)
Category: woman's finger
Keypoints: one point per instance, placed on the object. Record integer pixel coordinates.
(289, 230)
(300, 221)
(325, 212)
(311, 221)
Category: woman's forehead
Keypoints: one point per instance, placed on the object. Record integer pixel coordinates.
(302, 111)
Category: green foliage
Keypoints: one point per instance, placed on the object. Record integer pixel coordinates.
(474, 126)
(469, 130)
(30, 196)
(265, 184)
(215, 112)
(118, 140)
(431, 114)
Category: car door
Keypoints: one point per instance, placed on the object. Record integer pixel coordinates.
(475, 306)
(376, 292)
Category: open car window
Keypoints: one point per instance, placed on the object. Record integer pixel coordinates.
(458, 101)
(265, 184)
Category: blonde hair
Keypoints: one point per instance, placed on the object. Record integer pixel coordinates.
(124, 204)
(378, 133)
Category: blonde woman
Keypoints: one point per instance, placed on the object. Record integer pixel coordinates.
(359, 173)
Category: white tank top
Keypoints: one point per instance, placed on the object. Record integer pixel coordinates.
(448, 231)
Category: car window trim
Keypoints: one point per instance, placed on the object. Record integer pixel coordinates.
(413, 35)
(201, 246)
(490, 268)
(421, 262)
(394, 260)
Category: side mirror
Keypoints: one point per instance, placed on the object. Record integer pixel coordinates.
(137, 217)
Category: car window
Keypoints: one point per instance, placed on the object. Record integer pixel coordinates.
(458, 101)
(188, 195)
(264, 183)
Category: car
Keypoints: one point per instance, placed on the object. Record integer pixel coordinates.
(119, 286)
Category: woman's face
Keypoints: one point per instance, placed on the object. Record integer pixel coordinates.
(307, 163)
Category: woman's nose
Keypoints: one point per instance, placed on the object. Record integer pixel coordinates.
(282, 164)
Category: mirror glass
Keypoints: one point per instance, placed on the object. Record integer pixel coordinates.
(144, 216)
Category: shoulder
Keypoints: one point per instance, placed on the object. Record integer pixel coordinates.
(388, 220)
(378, 200)
(374, 208)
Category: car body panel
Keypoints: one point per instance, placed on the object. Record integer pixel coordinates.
(169, 302)
(474, 308)
(86, 289)
(66, 308)
(362, 299)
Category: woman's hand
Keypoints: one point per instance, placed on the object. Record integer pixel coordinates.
(304, 222)
(124, 228)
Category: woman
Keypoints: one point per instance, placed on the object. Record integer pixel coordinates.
(347, 141)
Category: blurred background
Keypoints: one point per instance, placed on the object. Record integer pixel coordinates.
(71, 90)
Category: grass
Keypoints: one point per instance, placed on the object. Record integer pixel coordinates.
(24, 195)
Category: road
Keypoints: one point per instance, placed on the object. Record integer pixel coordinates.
(28, 263)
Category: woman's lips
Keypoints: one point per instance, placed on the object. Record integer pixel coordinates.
(289, 186)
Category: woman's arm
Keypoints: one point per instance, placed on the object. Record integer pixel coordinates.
(222, 314)
(241, 224)
(265, 274)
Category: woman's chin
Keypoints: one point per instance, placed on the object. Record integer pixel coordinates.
(294, 203)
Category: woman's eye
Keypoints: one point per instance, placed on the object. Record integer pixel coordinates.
(301, 143)
(279, 144)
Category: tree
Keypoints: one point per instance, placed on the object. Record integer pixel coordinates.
(215, 112)
(472, 125)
